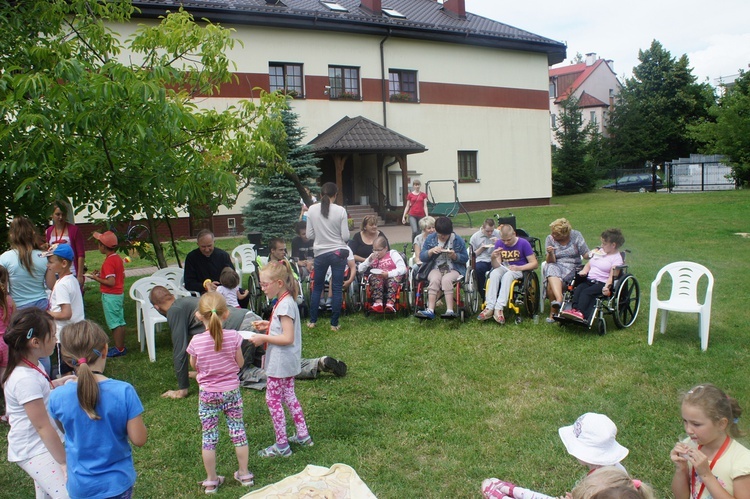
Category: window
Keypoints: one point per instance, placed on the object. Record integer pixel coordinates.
(553, 120)
(286, 78)
(553, 88)
(592, 117)
(467, 166)
(335, 7)
(344, 82)
(393, 13)
(402, 85)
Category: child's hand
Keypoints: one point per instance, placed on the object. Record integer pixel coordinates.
(679, 454)
(260, 326)
(257, 339)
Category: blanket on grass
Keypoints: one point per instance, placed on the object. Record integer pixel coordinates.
(317, 482)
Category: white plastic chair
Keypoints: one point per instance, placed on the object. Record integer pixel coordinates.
(684, 297)
(147, 317)
(244, 259)
(176, 276)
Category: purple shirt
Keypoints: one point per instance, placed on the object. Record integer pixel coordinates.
(518, 254)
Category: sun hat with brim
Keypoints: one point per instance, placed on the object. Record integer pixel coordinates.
(108, 239)
(592, 440)
(60, 250)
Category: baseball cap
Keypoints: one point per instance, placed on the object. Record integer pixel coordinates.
(592, 440)
(108, 239)
(64, 251)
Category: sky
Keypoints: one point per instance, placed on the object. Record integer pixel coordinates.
(715, 35)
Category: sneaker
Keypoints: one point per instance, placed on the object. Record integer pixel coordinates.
(449, 314)
(575, 314)
(275, 451)
(304, 442)
(389, 307)
(425, 314)
(331, 365)
(114, 352)
(377, 308)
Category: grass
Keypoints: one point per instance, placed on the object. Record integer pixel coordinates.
(430, 409)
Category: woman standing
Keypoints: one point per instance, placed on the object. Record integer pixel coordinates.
(565, 248)
(63, 232)
(361, 243)
(415, 209)
(328, 226)
(26, 269)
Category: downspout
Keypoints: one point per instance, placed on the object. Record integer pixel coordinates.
(383, 88)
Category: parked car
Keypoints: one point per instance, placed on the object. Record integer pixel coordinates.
(640, 182)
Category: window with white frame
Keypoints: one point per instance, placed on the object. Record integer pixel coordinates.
(467, 166)
(344, 82)
(286, 78)
(402, 85)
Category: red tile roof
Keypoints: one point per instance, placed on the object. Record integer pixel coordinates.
(580, 70)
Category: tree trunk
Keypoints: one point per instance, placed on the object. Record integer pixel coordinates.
(174, 243)
(161, 262)
(292, 176)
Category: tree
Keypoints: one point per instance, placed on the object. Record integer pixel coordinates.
(275, 204)
(574, 161)
(125, 135)
(654, 109)
(728, 132)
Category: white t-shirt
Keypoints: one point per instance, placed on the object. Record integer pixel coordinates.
(25, 385)
(230, 295)
(66, 291)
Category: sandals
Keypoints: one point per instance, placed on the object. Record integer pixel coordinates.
(304, 442)
(213, 484)
(310, 325)
(486, 314)
(245, 480)
(499, 317)
(335, 328)
(275, 451)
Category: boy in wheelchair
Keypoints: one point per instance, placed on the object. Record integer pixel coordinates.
(386, 272)
(597, 276)
(510, 258)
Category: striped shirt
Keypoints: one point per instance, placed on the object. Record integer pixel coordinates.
(217, 371)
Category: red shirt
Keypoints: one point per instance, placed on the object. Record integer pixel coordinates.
(417, 204)
(113, 266)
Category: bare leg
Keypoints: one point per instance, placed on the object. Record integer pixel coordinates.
(175, 394)
(554, 292)
(118, 334)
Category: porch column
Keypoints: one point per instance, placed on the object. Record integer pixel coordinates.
(339, 160)
(404, 175)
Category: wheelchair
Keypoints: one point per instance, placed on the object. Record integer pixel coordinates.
(525, 293)
(622, 304)
(403, 291)
(465, 292)
(350, 302)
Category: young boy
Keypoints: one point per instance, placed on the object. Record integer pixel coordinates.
(66, 301)
(111, 279)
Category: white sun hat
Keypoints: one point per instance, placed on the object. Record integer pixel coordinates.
(592, 440)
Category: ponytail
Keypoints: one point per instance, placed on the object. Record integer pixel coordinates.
(212, 307)
(328, 191)
(83, 343)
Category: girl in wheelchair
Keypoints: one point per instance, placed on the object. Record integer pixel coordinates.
(599, 275)
(386, 272)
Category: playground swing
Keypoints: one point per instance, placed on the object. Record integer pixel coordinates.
(444, 209)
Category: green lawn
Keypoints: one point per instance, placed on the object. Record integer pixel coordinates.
(430, 409)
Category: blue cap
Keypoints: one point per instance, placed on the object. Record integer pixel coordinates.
(64, 251)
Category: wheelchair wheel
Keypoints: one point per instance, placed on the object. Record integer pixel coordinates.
(531, 295)
(351, 298)
(471, 293)
(601, 325)
(627, 301)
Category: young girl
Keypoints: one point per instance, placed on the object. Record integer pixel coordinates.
(283, 353)
(599, 273)
(230, 287)
(217, 356)
(34, 443)
(710, 463)
(98, 416)
(387, 270)
(611, 483)
(7, 306)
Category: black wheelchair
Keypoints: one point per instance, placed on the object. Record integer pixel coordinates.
(622, 304)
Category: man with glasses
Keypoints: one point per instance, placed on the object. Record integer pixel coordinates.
(482, 243)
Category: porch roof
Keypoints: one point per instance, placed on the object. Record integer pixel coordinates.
(360, 135)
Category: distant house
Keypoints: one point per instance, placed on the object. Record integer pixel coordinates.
(439, 92)
(595, 85)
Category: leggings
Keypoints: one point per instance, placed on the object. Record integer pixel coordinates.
(210, 404)
(49, 482)
(380, 283)
(280, 390)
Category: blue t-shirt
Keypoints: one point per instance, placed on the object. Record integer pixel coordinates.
(100, 461)
(25, 287)
(518, 254)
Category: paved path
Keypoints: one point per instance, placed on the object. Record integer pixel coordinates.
(396, 234)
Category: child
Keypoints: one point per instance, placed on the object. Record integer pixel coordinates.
(65, 301)
(34, 443)
(230, 287)
(387, 271)
(445, 251)
(710, 463)
(98, 416)
(600, 273)
(611, 483)
(482, 242)
(591, 440)
(111, 279)
(7, 307)
(283, 353)
(217, 356)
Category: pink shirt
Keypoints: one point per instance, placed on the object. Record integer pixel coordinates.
(602, 264)
(417, 204)
(217, 371)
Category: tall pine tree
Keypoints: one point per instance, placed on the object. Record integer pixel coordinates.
(574, 162)
(275, 206)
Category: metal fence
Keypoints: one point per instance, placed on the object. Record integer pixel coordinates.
(699, 173)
